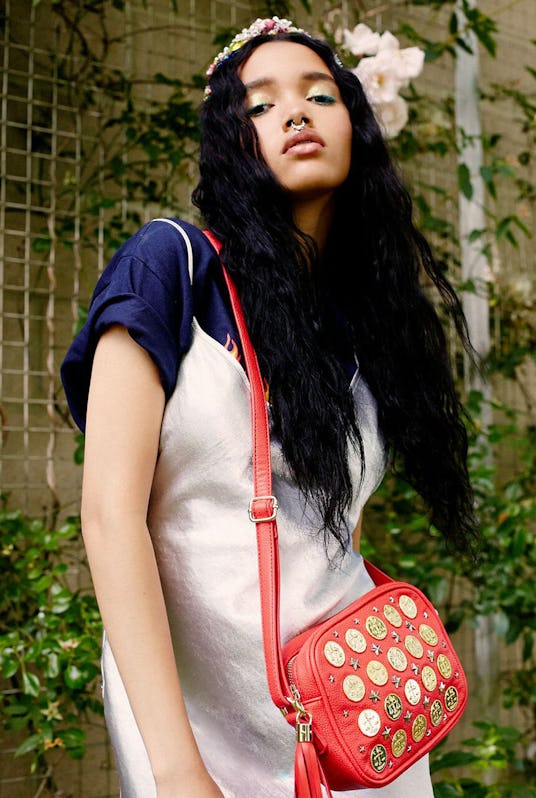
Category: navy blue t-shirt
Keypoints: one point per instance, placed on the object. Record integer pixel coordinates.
(146, 288)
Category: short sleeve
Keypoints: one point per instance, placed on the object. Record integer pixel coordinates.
(145, 288)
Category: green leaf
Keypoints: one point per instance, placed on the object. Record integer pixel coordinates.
(74, 677)
(30, 744)
(452, 759)
(30, 684)
(444, 789)
(464, 181)
(42, 244)
(10, 666)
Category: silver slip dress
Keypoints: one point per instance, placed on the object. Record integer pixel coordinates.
(207, 556)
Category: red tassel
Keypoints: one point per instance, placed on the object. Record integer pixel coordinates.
(308, 774)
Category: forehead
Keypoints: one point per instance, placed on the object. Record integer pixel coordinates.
(281, 61)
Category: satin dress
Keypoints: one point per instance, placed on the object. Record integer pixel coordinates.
(207, 557)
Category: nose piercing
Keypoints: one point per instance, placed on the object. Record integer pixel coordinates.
(291, 123)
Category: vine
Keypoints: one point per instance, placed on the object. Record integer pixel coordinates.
(142, 154)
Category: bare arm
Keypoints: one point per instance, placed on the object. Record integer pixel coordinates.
(126, 403)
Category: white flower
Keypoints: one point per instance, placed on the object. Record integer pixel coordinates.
(361, 40)
(408, 63)
(385, 71)
(391, 116)
(388, 42)
(379, 79)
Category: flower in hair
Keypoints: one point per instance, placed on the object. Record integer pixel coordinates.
(383, 69)
(261, 27)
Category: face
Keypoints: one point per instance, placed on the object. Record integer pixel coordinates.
(303, 126)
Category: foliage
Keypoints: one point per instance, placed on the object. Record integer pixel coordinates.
(49, 637)
(141, 153)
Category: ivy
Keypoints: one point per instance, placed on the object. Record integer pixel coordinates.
(50, 631)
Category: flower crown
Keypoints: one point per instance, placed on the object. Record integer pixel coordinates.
(261, 27)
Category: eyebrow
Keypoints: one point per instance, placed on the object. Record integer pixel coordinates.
(305, 76)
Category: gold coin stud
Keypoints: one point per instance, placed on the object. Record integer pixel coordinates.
(408, 606)
(376, 627)
(414, 646)
(356, 640)
(428, 634)
(419, 728)
(334, 653)
(412, 691)
(369, 722)
(393, 706)
(436, 712)
(444, 667)
(451, 699)
(398, 743)
(353, 687)
(397, 658)
(429, 678)
(392, 615)
(378, 758)
(377, 672)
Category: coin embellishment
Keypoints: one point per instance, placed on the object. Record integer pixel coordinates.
(353, 687)
(428, 634)
(418, 729)
(414, 646)
(393, 706)
(398, 743)
(451, 699)
(408, 606)
(444, 667)
(334, 653)
(369, 722)
(412, 691)
(378, 758)
(429, 678)
(376, 627)
(377, 672)
(356, 640)
(392, 615)
(397, 658)
(436, 712)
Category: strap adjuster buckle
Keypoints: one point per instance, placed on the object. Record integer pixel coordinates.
(269, 517)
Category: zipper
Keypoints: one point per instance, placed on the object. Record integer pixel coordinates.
(293, 689)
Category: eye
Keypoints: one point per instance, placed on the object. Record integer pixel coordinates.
(322, 99)
(259, 109)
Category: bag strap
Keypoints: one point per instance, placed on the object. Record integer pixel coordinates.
(263, 506)
(263, 510)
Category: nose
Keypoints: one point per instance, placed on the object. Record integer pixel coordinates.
(293, 124)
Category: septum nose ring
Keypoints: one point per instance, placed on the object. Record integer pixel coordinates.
(291, 123)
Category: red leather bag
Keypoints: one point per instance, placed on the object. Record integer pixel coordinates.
(373, 688)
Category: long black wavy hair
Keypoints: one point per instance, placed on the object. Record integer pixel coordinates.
(369, 271)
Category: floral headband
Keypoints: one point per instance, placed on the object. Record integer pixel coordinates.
(261, 27)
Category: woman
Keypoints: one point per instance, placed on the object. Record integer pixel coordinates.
(316, 230)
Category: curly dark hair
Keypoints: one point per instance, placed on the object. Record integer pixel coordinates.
(368, 275)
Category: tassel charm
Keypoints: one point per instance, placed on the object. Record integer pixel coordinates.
(308, 775)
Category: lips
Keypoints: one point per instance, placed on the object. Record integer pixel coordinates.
(302, 138)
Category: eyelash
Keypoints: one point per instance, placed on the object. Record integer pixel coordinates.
(319, 99)
(258, 109)
(322, 99)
